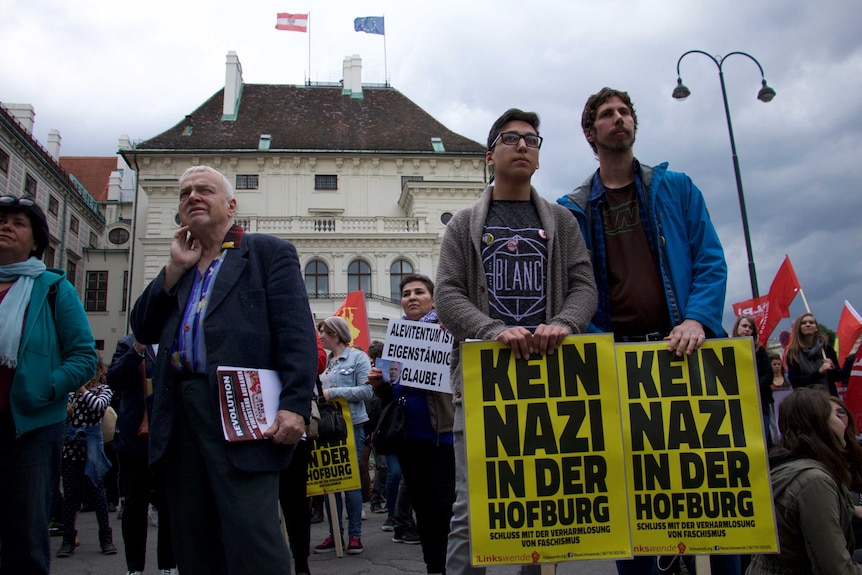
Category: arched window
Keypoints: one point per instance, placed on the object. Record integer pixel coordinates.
(399, 269)
(359, 276)
(316, 278)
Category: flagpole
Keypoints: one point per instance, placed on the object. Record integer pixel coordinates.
(309, 47)
(805, 301)
(385, 61)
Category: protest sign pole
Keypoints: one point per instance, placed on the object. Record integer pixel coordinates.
(701, 565)
(333, 512)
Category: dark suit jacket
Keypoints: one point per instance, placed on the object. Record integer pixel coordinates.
(124, 377)
(258, 316)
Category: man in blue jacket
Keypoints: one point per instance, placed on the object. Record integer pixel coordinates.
(659, 266)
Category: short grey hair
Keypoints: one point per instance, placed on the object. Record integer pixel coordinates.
(228, 188)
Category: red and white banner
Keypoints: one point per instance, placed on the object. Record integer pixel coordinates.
(354, 312)
(756, 309)
(292, 22)
(849, 330)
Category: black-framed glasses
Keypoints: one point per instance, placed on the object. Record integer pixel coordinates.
(9, 201)
(512, 139)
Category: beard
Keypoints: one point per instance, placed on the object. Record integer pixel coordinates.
(623, 145)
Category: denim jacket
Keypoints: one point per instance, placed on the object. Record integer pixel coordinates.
(97, 464)
(350, 381)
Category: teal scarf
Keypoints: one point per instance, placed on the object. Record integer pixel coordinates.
(14, 306)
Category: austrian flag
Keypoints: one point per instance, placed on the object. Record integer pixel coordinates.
(292, 22)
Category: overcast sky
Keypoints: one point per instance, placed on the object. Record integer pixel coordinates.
(96, 69)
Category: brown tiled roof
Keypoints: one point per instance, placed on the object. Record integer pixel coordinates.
(313, 118)
(92, 172)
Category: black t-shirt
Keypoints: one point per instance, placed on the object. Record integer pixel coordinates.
(515, 259)
(637, 300)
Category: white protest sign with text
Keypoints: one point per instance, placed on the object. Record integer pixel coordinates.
(424, 351)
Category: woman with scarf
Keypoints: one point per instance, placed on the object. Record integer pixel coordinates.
(427, 456)
(46, 351)
(810, 360)
(84, 461)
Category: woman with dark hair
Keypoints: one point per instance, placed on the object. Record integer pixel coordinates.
(810, 480)
(46, 351)
(810, 360)
(745, 327)
(853, 458)
(779, 378)
(427, 456)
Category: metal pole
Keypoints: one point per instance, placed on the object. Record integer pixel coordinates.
(309, 47)
(719, 62)
(755, 293)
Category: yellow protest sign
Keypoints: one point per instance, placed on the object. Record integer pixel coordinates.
(544, 453)
(334, 466)
(696, 464)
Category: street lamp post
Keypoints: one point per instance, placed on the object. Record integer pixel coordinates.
(766, 94)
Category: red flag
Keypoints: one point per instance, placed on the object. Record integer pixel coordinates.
(291, 22)
(853, 395)
(782, 291)
(849, 330)
(756, 309)
(354, 312)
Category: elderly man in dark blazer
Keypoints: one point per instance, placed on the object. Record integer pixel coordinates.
(224, 298)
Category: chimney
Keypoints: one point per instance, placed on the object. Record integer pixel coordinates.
(115, 187)
(24, 113)
(54, 143)
(352, 76)
(125, 142)
(232, 86)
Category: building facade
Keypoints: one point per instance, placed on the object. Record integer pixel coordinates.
(358, 177)
(76, 221)
(106, 262)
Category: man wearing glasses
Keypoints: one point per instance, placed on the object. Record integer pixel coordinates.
(513, 268)
(659, 265)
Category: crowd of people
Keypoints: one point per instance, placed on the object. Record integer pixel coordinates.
(631, 251)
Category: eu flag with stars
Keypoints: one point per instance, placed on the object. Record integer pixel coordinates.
(371, 24)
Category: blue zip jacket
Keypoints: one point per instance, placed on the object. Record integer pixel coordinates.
(690, 257)
(52, 360)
